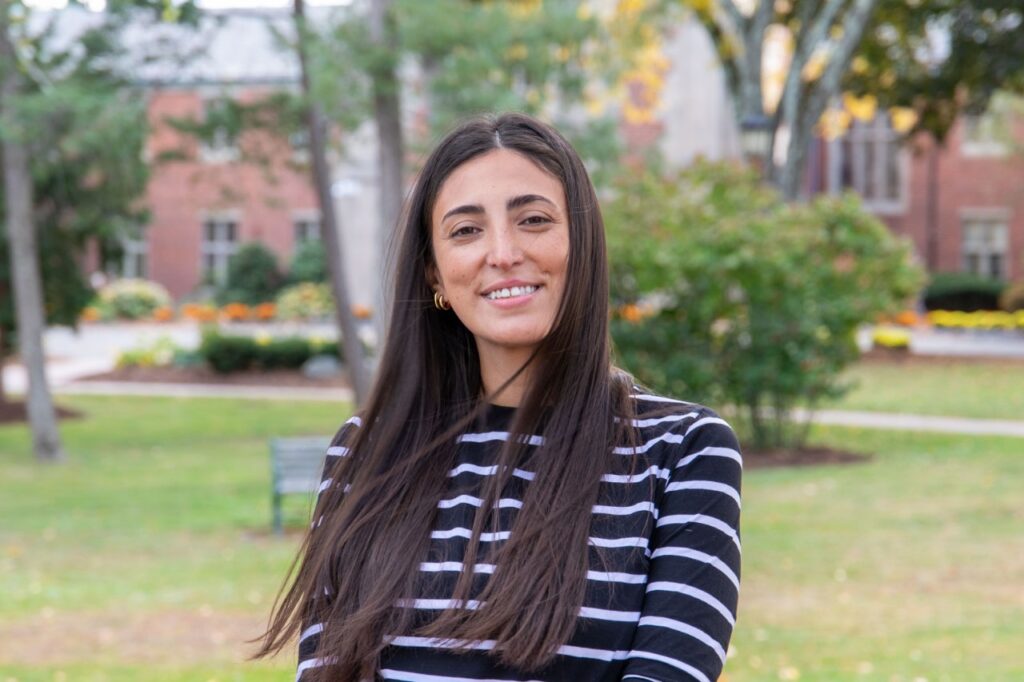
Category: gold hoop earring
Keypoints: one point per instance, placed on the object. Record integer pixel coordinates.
(440, 302)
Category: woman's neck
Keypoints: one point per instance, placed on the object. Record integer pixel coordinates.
(497, 365)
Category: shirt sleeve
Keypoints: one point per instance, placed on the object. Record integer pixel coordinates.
(309, 637)
(689, 609)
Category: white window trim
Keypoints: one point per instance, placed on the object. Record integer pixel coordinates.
(221, 251)
(983, 148)
(897, 206)
(989, 214)
(216, 153)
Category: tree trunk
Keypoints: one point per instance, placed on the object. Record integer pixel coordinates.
(387, 111)
(25, 278)
(3, 362)
(329, 232)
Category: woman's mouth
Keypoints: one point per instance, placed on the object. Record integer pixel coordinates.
(511, 292)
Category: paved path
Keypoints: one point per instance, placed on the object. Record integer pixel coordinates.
(871, 420)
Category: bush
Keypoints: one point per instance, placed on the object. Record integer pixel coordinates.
(159, 353)
(226, 354)
(725, 294)
(1012, 298)
(309, 264)
(962, 291)
(132, 299)
(305, 301)
(253, 277)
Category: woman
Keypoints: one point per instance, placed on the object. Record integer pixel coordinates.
(509, 506)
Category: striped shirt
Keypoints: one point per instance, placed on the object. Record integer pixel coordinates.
(662, 605)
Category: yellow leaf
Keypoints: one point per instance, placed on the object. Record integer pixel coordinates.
(903, 119)
(834, 123)
(859, 64)
(861, 108)
(814, 67)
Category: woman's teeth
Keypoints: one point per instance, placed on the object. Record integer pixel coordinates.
(510, 292)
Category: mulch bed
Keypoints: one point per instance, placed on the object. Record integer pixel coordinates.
(205, 375)
(810, 456)
(13, 412)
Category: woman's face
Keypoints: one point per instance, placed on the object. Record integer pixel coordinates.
(500, 235)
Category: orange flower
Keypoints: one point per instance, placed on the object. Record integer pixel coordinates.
(265, 311)
(361, 312)
(89, 314)
(631, 313)
(199, 312)
(235, 311)
(907, 318)
(163, 314)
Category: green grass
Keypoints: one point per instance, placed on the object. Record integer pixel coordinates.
(981, 389)
(148, 557)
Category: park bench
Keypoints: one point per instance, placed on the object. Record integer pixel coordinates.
(295, 466)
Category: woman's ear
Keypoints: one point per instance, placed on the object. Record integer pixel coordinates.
(433, 280)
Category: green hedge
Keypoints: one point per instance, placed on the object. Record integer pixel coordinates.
(226, 354)
(962, 291)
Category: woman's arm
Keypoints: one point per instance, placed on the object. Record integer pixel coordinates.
(689, 609)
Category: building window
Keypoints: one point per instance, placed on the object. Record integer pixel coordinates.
(220, 146)
(307, 228)
(983, 135)
(133, 260)
(220, 240)
(984, 246)
(869, 160)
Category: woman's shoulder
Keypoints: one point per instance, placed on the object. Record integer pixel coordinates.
(676, 429)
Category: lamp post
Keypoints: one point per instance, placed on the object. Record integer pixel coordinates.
(755, 141)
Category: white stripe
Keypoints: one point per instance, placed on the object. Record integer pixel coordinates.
(468, 533)
(404, 676)
(669, 437)
(706, 485)
(312, 663)
(324, 486)
(712, 451)
(621, 542)
(608, 614)
(457, 566)
(653, 421)
(488, 644)
(698, 675)
(476, 502)
(687, 553)
(597, 576)
(486, 471)
(629, 578)
(686, 629)
(337, 451)
(311, 630)
(658, 399)
(634, 676)
(439, 604)
(691, 591)
(702, 519)
(634, 478)
(495, 435)
(626, 511)
(355, 420)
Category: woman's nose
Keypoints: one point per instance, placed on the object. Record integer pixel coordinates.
(504, 249)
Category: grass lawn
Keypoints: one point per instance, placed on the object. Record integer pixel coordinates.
(987, 389)
(148, 557)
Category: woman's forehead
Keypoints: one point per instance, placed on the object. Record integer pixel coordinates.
(495, 177)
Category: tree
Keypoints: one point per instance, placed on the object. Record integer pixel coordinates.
(70, 109)
(27, 284)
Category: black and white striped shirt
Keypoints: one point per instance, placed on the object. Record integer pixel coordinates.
(661, 609)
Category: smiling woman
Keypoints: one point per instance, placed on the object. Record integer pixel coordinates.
(509, 505)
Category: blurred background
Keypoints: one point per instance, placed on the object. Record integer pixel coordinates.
(815, 216)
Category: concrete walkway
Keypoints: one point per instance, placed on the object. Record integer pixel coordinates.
(870, 420)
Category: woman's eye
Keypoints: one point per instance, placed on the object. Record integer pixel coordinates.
(464, 230)
(536, 220)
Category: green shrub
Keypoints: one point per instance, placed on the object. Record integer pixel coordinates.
(962, 291)
(725, 294)
(253, 277)
(1012, 298)
(226, 354)
(288, 353)
(132, 299)
(305, 301)
(309, 264)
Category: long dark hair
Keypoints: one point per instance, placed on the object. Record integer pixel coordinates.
(363, 559)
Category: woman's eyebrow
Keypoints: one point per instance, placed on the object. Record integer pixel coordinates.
(466, 209)
(523, 199)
